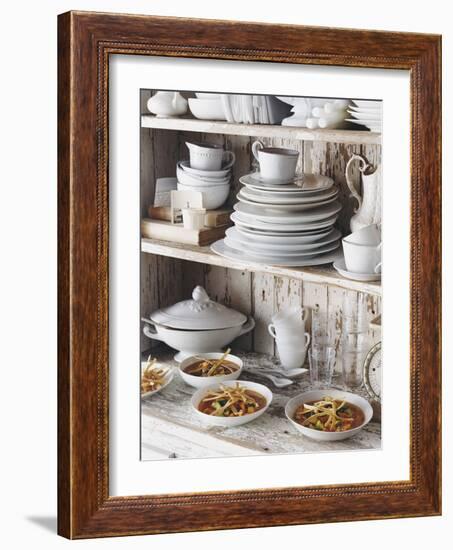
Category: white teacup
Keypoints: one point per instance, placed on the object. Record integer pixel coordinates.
(275, 163)
(362, 258)
(370, 234)
(292, 351)
(209, 156)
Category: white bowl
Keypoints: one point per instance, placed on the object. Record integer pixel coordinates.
(213, 196)
(207, 109)
(228, 422)
(196, 342)
(204, 174)
(316, 395)
(204, 382)
(207, 95)
(189, 179)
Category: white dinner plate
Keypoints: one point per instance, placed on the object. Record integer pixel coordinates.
(276, 216)
(340, 266)
(236, 245)
(220, 248)
(235, 235)
(285, 207)
(274, 197)
(371, 104)
(251, 222)
(308, 184)
(377, 117)
(273, 237)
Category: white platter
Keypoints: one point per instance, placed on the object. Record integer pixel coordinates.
(340, 266)
(285, 207)
(221, 249)
(236, 236)
(308, 184)
(274, 197)
(250, 221)
(280, 254)
(271, 215)
(274, 237)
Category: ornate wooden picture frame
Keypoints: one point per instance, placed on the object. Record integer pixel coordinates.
(86, 41)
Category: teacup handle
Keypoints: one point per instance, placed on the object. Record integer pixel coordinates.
(257, 145)
(230, 162)
(271, 329)
(378, 268)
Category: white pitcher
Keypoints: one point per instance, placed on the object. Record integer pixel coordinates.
(369, 208)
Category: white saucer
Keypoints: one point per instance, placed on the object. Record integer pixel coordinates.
(308, 183)
(340, 266)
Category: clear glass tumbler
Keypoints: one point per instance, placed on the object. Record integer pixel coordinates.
(322, 364)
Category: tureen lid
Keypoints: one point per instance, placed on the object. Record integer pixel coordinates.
(200, 313)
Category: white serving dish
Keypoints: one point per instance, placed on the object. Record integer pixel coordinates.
(204, 174)
(340, 266)
(229, 422)
(207, 109)
(299, 252)
(167, 379)
(197, 181)
(204, 382)
(250, 222)
(220, 248)
(316, 395)
(213, 196)
(287, 246)
(270, 215)
(294, 206)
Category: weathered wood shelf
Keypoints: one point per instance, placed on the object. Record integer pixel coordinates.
(261, 130)
(203, 254)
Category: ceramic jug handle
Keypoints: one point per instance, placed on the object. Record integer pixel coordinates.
(350, 183)
(307, 340)
(378, 268)
(271, 330)
(229, 163)
(257, 145)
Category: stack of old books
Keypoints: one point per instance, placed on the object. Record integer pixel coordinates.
(159, 226)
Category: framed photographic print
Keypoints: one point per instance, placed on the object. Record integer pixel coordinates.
(249, 275)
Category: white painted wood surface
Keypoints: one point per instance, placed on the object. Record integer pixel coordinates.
(171, 429)
(260, 130)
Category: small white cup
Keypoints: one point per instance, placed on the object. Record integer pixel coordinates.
(208, 156)
(370, 235)
(275, 163)
(193, 218)
(288, 322)
(362, 258)
(292, 352)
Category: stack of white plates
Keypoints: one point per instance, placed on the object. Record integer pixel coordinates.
(366, 113)
(284, 224)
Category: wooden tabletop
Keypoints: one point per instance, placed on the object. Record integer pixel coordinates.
(171, 429)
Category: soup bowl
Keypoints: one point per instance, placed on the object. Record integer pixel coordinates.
(227, 421)
(204, 382)
(317, 395)
(213, 197)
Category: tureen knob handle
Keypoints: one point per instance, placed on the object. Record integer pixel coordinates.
(200, 295)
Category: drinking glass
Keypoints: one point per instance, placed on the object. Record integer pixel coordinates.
(322, 363)
(353, 359)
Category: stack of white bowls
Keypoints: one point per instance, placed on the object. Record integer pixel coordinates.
(208, 171)
(366, 113)
(288, 224)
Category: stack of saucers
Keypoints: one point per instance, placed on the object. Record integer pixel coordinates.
(287, 224)
(366, 113)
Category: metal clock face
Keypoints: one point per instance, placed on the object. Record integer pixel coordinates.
(373, 372)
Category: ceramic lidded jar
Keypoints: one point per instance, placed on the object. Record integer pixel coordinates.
(199, 313)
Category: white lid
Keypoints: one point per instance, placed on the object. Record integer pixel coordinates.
(200, 313)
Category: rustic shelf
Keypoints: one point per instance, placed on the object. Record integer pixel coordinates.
(203, 254)
(261, 130)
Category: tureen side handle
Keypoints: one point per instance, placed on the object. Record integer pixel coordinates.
(247, 326)
(150, 331)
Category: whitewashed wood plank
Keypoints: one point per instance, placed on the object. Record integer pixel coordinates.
(240, 298)
(260, 130)
(262, 311)
(314, 298)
